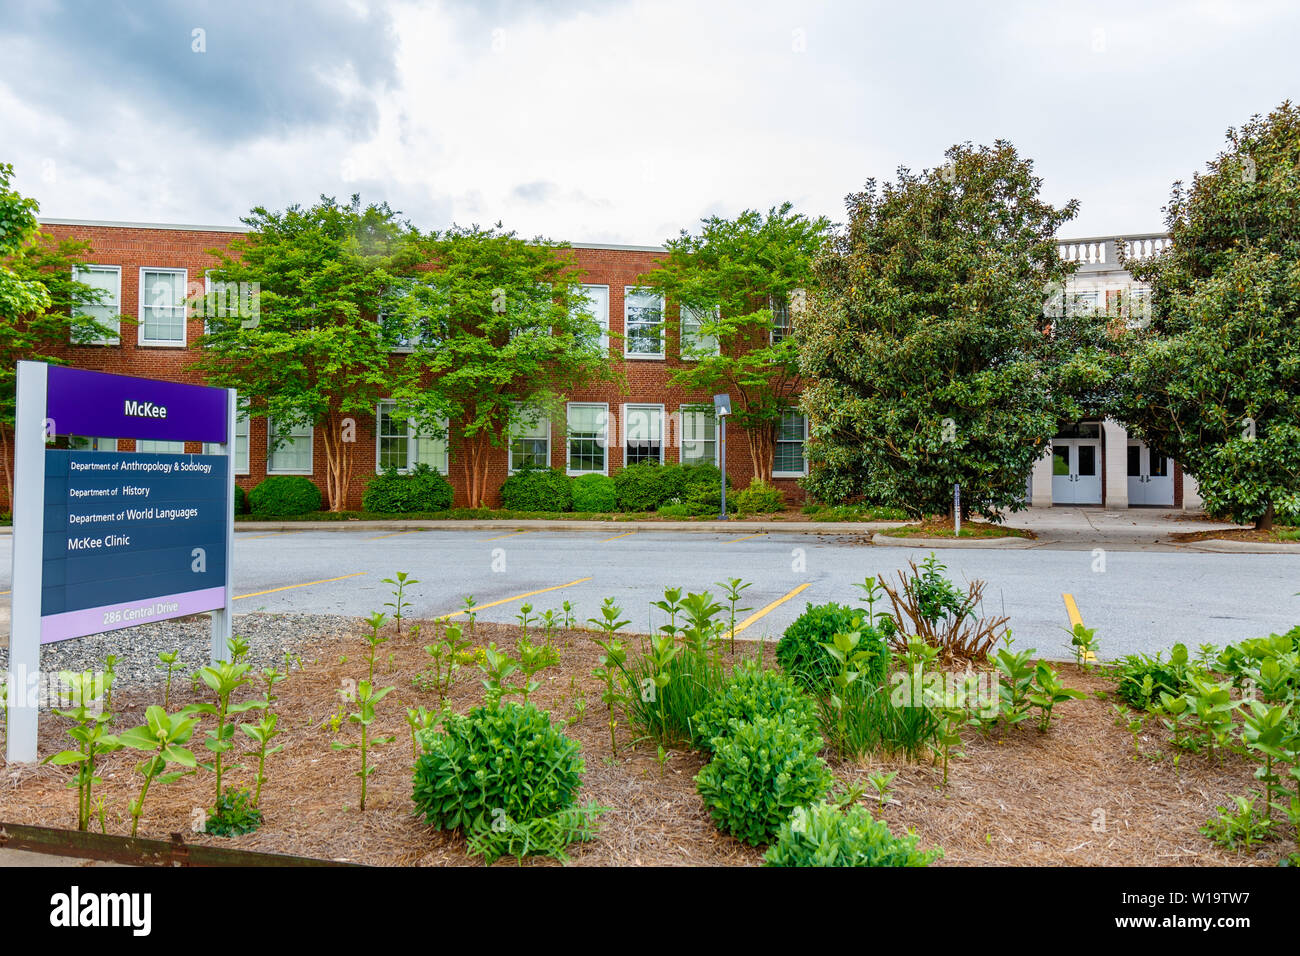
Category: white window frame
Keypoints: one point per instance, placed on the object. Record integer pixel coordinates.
(272, 451)
(116, 337)
(510, 446)
(683, 337)
(412, 436)
(788, 327)
(602, 320)
(692, 409)
(625, 412)
(803, 443)
(603, 441)
(92, 444)
(159, 441)
(241, 420)
(183, 306)
(628, 292)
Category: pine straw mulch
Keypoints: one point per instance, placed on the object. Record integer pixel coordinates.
(942, 527)
(1074, 795)
(1278, 535)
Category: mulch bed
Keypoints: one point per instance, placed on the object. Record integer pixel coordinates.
(1073, 795)
(943, 528)
(1242, 534)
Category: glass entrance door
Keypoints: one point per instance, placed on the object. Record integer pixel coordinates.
(1076, 471)
(1150, 476)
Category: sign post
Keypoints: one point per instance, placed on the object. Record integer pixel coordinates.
(956, 510)
(722, 408)
(108, 540)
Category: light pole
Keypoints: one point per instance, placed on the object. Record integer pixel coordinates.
(722, 408)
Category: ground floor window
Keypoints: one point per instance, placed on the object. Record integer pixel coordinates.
(699, 437)
(399, 444)
(791, 434)
(157, 447)
(288, 449)
(587, 426)
(530, 441)
(80, 443)
(643, 430)
(239, 453)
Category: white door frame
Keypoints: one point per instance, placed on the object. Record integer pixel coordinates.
(1073, 488)
(1144, 488)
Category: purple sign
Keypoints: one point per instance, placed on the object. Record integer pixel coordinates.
(101, 405)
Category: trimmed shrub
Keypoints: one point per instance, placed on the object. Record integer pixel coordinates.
(759, 498)
(505, 776)
(594, 493)
(537, 489)
(646, 485)
(761, 771)
(752, 691)
(394, 493)
(241, 501)
(822, 835)
(801, 654)
(1139, 679)
(284, 495)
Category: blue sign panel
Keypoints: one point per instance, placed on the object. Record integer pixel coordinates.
(131, 537)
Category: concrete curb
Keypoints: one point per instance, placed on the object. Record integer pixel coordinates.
(499, 524)
(1007, 542)
(1227, 545)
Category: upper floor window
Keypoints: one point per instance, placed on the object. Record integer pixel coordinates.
(162, 306)
(643, 324)
(694, 343)
(782, 324)
(107, 281)
(596, 305)
(399, 444)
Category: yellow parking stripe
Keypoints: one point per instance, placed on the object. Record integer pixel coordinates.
(510, 535)
(396, 533)
(1076, 619)
(761, 534)
(517, 597)
(617, 536)
(305, 584)
(771, 607)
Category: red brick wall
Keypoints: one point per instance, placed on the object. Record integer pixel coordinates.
(134, 248)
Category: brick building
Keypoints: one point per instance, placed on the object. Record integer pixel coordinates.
(604, 426)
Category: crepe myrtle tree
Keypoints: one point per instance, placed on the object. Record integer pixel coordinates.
(1214, 379)
(732, 282)
(316, 351)
(44, 307)
(497, 334)
(925, 344)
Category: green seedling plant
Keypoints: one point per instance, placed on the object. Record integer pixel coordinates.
(1205, 655)
(445, 658)
(701, 628)
(471, 615)
(161, 736)
(238, 649)
(525, 617)
(882, 783)
(569, 617)
(498, 667)
(843, 649)
(400, 582)
(1239, 828)
(374, 638)
(223, 680)
(1047, 692)
(731, 590)
(1015, 683)
(86, 691)
(1270, 733)
(610, 666)
(1213, 710)
(419, 719)
(1132, 721)
(947, 737)
(670, 605)
(366, 699)
(549, 623)
(262, 732)
(1084, 641)
(609, 621)
(168, 659)
(872, 591)
(532, 659)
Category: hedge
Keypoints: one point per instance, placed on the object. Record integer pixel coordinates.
(284, 495)
(394, 493)
(537, 489)
(594, 493)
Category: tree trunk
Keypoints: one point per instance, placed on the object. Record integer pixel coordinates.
(4, 460)
(476, 450)
(762, 444)
(338, 463)
(1265, 521)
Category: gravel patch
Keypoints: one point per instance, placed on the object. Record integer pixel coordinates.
(270, 637)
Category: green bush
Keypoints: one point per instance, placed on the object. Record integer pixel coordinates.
(537, 489)
(594, 493)
(759, 498)
(760, 771)
(752, 691)
(284, 495)
(233, 815)
(394, 493)
(801, 654)
(646, 486)
(822, 835)
(507, 778)
(1139, 679)
(241, 501)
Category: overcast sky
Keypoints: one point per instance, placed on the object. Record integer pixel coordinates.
(616, 121)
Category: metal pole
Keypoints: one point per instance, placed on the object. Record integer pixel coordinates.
(28, 557)
(956, 510)
(722, 459)
(222, 618)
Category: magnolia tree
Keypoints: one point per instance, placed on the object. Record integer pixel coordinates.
(925, 343)
(497, 332)
(738, 285)
(44, 307)
(1214, 379)
(314, 351)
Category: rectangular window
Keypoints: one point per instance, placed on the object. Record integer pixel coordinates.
(791, 433)
(399, 444)
(587, 432)
(158, 447)
(643, 431)
(694, 344)
(643, 324)
(240, 451)
(530, 441)
(782, 326)
(80, 443)
(107, 280)
(162, 306)
(288, 449)
(699, 435)
(597, 306)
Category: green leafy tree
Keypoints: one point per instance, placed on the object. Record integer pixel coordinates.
(737, 283)
(1214, 378)
(42, 304)
(925, 343)
(498, 335)
(316, 349)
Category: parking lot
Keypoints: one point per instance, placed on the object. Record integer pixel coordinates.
(1139, 601)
